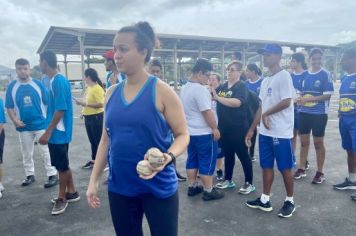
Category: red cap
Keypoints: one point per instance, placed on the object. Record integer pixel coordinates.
(109, 55)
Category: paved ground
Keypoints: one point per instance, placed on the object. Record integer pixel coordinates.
(320, 209)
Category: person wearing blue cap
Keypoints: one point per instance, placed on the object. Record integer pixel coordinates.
(276, 118)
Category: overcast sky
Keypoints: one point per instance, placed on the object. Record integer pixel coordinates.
(23, 24)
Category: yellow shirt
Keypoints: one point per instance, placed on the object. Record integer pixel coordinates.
(94, 94)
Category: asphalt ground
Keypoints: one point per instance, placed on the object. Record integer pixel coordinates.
(320, 209)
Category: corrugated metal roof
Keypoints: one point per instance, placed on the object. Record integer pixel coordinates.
(64, 40)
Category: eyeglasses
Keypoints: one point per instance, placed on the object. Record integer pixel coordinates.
(231, 69)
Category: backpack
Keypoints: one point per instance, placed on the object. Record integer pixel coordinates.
(253, 103)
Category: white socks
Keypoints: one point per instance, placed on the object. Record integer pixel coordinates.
(290, 199)
(264, 198)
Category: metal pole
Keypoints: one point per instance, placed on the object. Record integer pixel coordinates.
(175, 68)
(65, 65)
(222, 63)
(81, 48)
(200, 51)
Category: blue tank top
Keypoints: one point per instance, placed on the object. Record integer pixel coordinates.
(134, 127)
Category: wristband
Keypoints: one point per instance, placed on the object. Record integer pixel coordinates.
(173, 158)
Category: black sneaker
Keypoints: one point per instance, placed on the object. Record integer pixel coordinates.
(347, 184)
(287, 210)
(180, 177)
(353, 196)
(70, 197)
(192, 191)
(52, 181)
(88, 165)
(219, 175)
(257, 204)
(29, 180)
(213, 195)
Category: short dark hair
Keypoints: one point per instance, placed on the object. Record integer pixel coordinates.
(156, 62)
(314, 51)
(50, 57)
(299, 57)
(145, 37)
(22, 62)
(253, 67)
(237, 55)
(202, 65)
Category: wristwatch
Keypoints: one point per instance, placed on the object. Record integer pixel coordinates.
(173, 158)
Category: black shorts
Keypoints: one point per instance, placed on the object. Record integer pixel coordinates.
(312, 122)
(59, 156)
(2, 142)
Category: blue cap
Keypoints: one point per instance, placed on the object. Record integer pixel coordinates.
(270, 48)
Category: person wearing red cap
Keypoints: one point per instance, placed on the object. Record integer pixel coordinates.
(113, 76)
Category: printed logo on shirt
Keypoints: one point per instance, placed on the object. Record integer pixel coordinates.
(27, 101)
(347, 105)
(269, 91)
(317, 83)
(309, 104)
(227, 94)
(353, 85)
(275, 141)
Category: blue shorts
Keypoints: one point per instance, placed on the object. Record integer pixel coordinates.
(221, 153)
(296, 119)
(347, 127)
(202, 153)
(279, 149)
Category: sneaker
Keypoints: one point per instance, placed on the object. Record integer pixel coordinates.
(213, 195)
(180, 177)
(226, 184)
(307, 165)
(287, 209)
(59, 206)
(192, 191)
(347, 184)
(247, 188)
(353, 196)
(29, 180)
(253, 158)
(52, 181)
(219, 175)
(70, 197)
(88, 165)
(300, 173)
(257, 204)
(318, 178)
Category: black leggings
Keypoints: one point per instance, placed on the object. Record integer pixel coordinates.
(94, 127)
(253, 144)
(127, 214)
(234, 143)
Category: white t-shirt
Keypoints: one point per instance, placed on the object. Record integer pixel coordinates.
(195, 99)
(274, 89)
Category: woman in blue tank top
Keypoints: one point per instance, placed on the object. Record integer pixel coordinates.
(140, 113)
